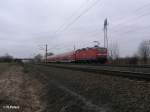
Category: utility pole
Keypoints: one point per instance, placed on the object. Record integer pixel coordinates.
(45, 49)
(105, 33)
(46, 53)
(74, 53)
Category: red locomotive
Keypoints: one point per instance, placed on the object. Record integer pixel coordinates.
(93, 54)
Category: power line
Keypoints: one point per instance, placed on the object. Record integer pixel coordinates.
(142, 7)
(79, 16)
(63, 25)
(132, 23)
(76, 18)
(137, 17)
(86, 10)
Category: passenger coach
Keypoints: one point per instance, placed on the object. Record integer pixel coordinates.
(93, 54)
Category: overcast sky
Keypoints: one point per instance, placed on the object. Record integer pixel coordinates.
(26, 25)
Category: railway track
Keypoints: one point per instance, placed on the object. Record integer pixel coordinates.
(127, 72)
(107, 65)
(132, 68)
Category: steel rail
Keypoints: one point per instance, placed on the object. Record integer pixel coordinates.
(109, 65)
(127, 74)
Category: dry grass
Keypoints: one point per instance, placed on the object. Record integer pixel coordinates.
(18, 89)
(4, 67)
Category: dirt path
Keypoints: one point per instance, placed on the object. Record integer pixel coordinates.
(18, 92)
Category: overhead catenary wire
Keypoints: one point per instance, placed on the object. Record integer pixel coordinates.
(142, 7)
(134, 22)
(79, 16)
(76, 18)
(130, 30)
(72, 15)
(135, 18)
(124, 20)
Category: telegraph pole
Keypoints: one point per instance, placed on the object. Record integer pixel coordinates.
(45, 49)
(74, 53)
(46, 53)
(105, 33)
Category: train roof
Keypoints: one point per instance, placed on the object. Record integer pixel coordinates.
(63, 54)
(87, 48)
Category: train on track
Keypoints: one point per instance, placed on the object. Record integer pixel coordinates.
(94, 54)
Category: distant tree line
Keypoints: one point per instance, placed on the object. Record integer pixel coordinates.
(142, 56)
(40, 58)
(6, 58)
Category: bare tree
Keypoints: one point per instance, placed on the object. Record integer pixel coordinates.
(114, 51)
(38, 58)
(133, 59)
(50, 54)
(144, 50)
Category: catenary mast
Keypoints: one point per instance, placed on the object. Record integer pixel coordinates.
(105, 33)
